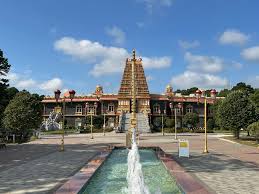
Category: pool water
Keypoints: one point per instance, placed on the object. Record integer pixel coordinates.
(110, 178)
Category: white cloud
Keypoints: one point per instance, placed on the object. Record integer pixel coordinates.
(150, 5)
(188, 45)
(251, 54)
(201, 80)
(117, 34)
(206, 64)
(156, 62)
(52, 85)
(106, 60)
(22, 81)
(149, 78)
(24, 84)
(234, 37)
(12, 76)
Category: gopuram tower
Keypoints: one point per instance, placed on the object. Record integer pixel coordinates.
(141, 88)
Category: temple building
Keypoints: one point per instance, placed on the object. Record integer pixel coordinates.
(116, 108)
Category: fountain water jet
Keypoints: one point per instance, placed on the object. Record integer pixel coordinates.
(135, 178)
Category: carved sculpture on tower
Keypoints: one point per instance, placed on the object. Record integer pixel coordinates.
(99, 90)
(169, 90)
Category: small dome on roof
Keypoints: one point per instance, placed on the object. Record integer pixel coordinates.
(213, 91)
(169, 89)
(168, 86)
(198, 91)
(98, 89)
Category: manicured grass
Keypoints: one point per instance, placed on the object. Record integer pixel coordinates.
(243, 140)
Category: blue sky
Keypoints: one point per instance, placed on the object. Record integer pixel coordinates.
(79, 44)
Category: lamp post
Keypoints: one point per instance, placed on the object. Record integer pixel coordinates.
(179, 105)
(198, 94)
(104, 124)
(171, 108)
(57, 97)
(91, 116)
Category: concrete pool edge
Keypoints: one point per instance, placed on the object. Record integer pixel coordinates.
(76, 182)
(186, 182)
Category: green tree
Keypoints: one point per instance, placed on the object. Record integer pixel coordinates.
(236, 111)
(191, 119)
(187, 91)
(243, 87)
(254, 130)
(157, 122)
(169, 122)
(211, 124)
(4, 69)
(23, 114)
(215, 109)
(223, 93)
(255, 97)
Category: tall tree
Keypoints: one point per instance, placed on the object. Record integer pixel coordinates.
(187, 91)
(4, 69)
(236, 111)
(223, 93)
(243, 87)
(255, 97)
(23, 113)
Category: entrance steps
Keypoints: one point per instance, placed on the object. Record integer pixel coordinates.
(142, 122)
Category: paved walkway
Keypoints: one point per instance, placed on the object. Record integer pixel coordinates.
(38, 167)
(228, 168)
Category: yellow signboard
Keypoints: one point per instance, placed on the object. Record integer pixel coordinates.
(183, 144)
(183, 149)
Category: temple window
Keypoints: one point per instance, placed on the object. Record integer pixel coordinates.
(110, 108)
(189, 109)
(79, 109)
(156, 108)
(91, 109)
(178, 110)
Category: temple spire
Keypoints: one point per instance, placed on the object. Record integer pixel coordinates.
(134, 54)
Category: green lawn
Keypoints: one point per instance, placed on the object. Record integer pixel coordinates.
(243, 140)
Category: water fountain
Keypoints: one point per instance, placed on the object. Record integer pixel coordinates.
(135, 178)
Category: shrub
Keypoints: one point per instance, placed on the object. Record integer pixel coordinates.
(210, 124)
(157, 122)
(169, 130)
(254, 130)
(169, 122)
(191, 119)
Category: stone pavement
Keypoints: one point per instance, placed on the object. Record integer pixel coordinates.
(41, 168)
(38, 167)
(228, 168)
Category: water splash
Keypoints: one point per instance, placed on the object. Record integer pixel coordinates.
(135, 178)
